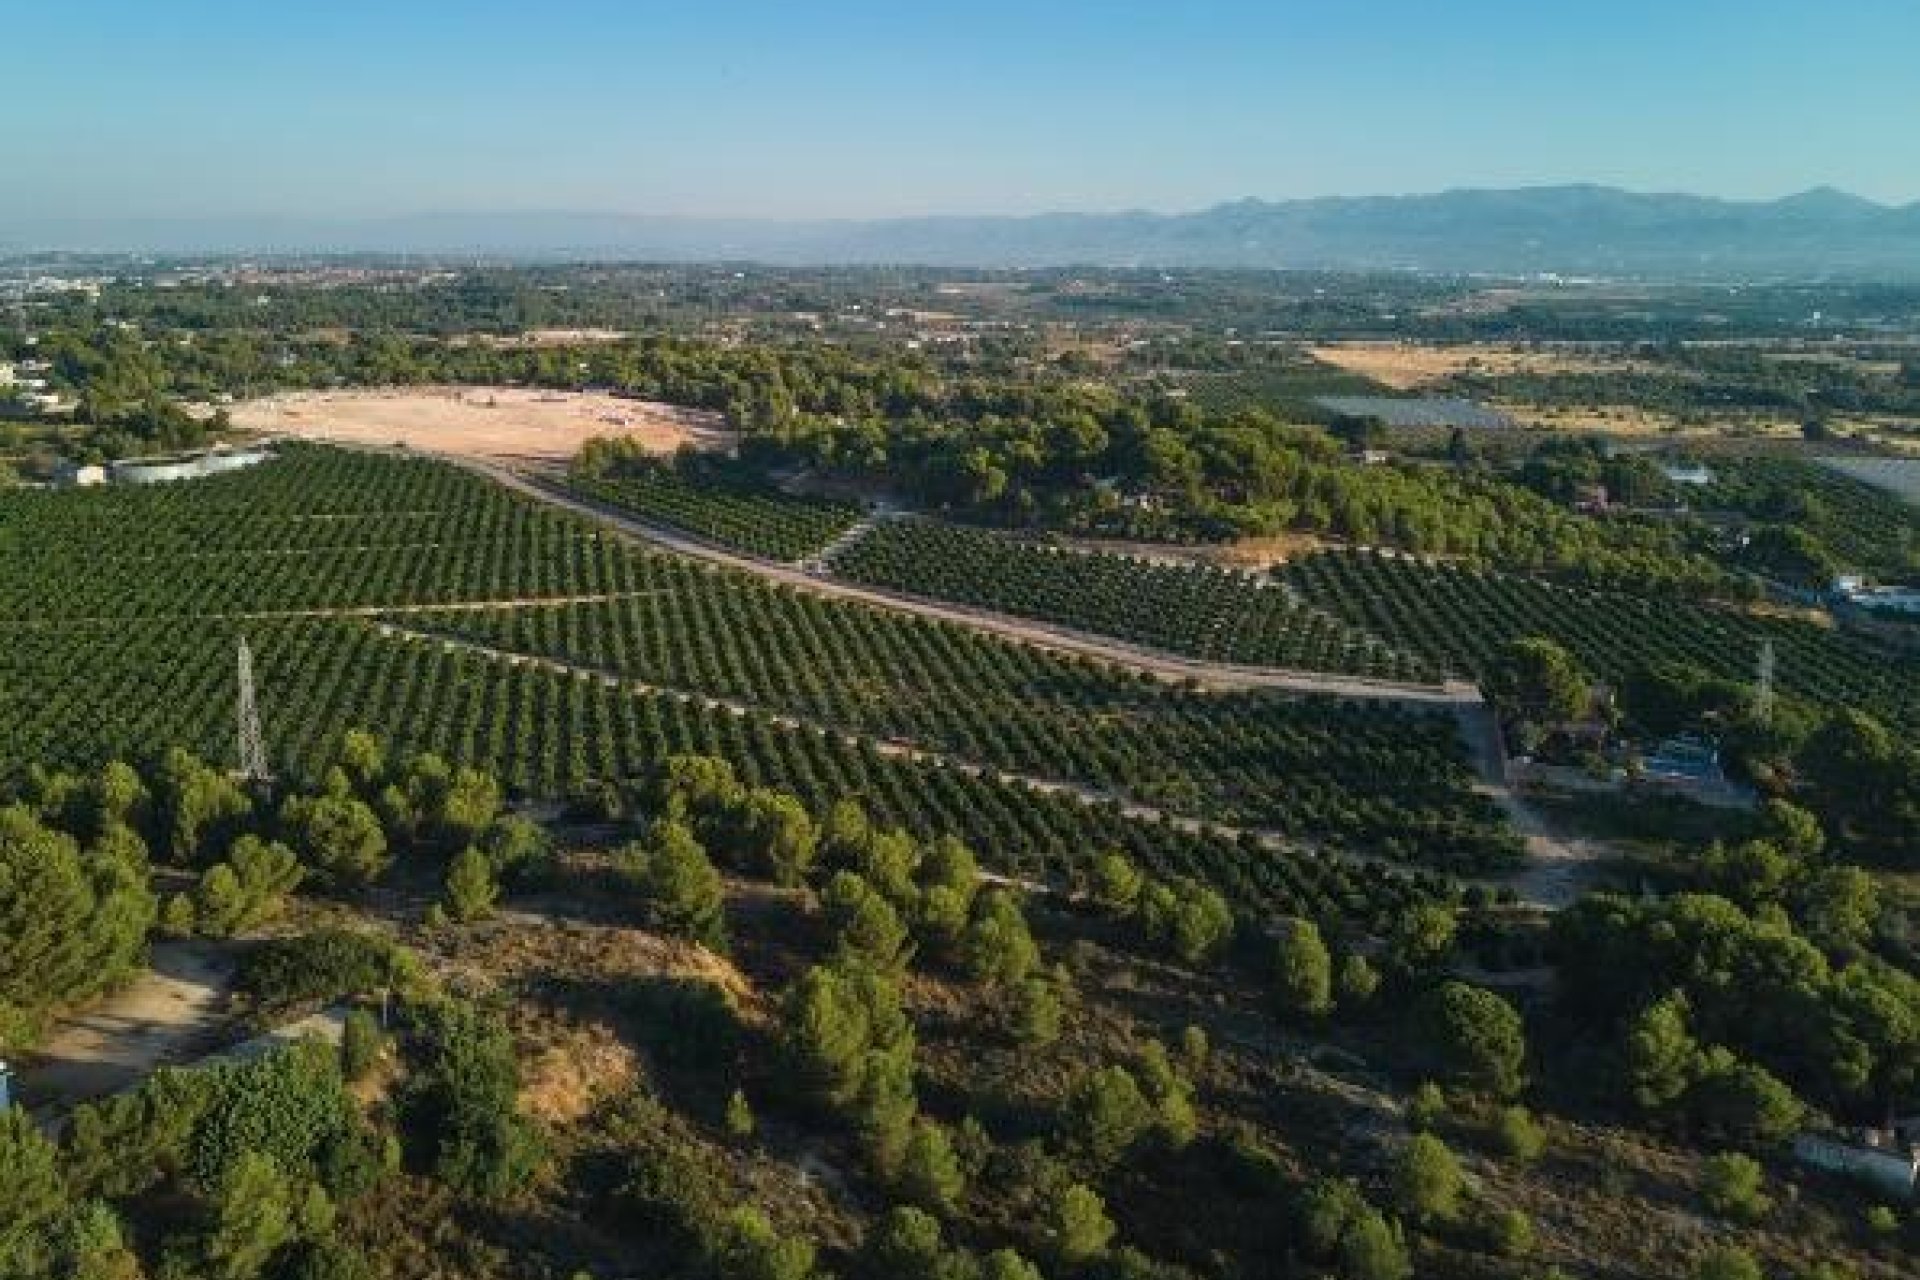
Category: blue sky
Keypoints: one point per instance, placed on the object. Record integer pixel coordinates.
(863, 107)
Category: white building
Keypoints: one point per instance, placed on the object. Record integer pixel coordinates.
(74, 475)
(1692, 473)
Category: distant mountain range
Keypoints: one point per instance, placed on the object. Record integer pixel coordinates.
(1571, 230)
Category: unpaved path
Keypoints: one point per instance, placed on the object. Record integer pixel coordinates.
(1166, 666)
(170, 1014)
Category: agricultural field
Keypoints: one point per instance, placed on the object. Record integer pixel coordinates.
(1219, 614)
(1459, 617)
(332, 562)
(1372, 777)
(1866, 525)
(758, 520)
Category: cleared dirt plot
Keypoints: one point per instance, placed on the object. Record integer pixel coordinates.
(507, 424)
(1412, 366)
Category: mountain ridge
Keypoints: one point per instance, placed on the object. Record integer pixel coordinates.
(1575, 228)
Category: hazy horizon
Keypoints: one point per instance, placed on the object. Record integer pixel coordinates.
(863, 110)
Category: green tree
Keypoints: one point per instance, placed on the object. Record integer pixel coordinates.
(71, 926)
(1479, 1036)
(1663, 1060)
(1372, 1248)
(930, 1174)
(461, 1102)
(1188, 917)
(1743, 1102)
(1510, 1233)
(999, 948)
(1005, 1264)
(1303, 970)
(1038, 1011)
(339, 837)
(747, 1247)
(1356, 980)
(773, 835)
(739, 1118)
(1731, 1184)
(1422, 938)
(1117, 884)
(1727, 1262)
(866, 926)
(683, 892)
(362, 759)
(32, 1194)
(247, 889)
(197, 807)
(1076, 1223)
(1106, 1113)
(906, 1242)
(258, 1212)
(826, 1033)
(470, 888)
(1838, 907)
(1427, 1182)
(1536, 680)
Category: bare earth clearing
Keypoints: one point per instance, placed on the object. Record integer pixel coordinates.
(499, 423)
(1412, 366)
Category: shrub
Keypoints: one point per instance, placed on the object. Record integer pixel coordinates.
(461, 1102)
(1730, 1184)
(470, 890)
(1076, 1224)
(320, 968)
(1518, 1136)
(1106, 1114)
(1510, 1233)
(1427, 1182)
(361, 1045)
(1727, 1262)
(1303, 970)
(929, 1171)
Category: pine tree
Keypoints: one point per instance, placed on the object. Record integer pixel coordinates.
(470, 891)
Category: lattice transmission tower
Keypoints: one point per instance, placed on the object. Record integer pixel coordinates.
(1763, 684)
(253, 744)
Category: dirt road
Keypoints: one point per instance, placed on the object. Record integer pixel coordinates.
(169, 1014)
(1166, 666)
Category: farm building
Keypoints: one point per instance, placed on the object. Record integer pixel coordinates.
(189, 467)
(77, 475)
(1692, 473)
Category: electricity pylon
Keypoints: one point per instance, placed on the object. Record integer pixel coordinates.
(253, 745)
